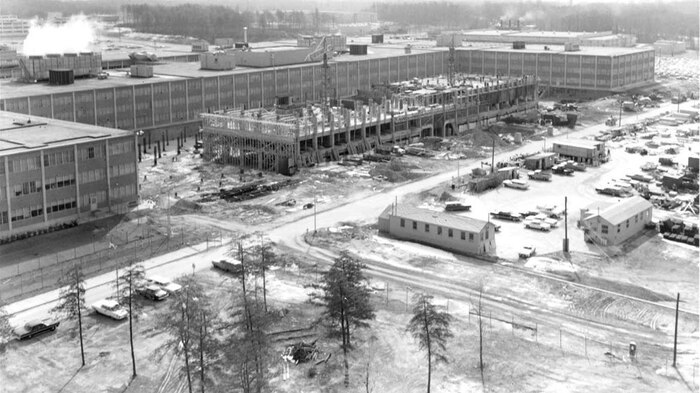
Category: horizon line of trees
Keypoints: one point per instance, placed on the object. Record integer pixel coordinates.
(648, 21)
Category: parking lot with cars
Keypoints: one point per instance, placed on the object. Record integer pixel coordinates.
(536, 204)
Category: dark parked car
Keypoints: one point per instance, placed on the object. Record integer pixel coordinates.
(152, 292)
(235, 267)
(507, 216)
(35, 328)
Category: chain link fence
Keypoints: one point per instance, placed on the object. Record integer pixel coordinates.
(42, 274)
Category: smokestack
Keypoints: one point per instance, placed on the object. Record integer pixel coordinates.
(245, 34)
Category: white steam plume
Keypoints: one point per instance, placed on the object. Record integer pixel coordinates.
(71, 37)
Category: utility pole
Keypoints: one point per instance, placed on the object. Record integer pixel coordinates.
(619, 121)
(565, 246)
(675, 331)
(315, 213)
(451, 63)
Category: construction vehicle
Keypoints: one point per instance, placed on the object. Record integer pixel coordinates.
(611, 121)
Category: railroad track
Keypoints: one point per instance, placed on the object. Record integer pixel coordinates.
(528, 310)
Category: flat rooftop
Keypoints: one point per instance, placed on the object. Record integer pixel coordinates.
(436, 218)
(176, 71)
(559, 49)
(582, 143)
(18, 135)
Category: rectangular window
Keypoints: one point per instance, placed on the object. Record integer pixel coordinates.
(471, 237)
(627, 224)
(427, 228)
(90, 152)
(449, 232)
(463, 235)
(439, 230)
(618, 228)
(487, 234)
(636, 218)
(415, 224)
(403, 223)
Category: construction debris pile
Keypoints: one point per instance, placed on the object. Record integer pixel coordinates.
(300, 352)
(248, 191)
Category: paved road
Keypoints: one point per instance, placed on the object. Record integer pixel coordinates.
(289, 229)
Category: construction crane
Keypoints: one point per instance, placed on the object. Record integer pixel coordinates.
(451, 63)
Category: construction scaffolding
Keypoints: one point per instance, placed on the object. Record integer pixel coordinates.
(284, 139)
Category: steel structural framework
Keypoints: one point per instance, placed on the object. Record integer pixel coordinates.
(268, 140)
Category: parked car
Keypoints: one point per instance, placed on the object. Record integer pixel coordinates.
(152, 292)
(164, 284)
(561, 169)
(539, 175)
(35, 328)
(539, 225)
(526, 252)
(110, 308)
(504, 215)
(102, 75)
(517, 184)
(235, 266)
(456, 207)
(308, 206)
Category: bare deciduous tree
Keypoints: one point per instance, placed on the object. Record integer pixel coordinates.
(71, 300)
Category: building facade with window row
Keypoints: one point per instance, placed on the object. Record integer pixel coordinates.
(54, 172)
(451, 232)
(611, 224)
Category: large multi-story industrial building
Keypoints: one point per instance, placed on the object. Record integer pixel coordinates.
(579, 68)
(601, 38)
(169, 104)
(11, 25)
(53, 172)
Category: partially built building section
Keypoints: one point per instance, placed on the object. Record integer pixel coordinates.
(285, 139)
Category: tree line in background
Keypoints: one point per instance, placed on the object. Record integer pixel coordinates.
(649, 21)
(209, 21)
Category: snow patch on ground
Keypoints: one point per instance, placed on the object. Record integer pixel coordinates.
(549, 265)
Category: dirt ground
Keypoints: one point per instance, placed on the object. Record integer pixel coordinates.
(516, 359)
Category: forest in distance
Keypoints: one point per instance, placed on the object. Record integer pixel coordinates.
(649, 21)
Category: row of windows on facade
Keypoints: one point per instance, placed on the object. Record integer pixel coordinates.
(34, 186)
(450, 232)
(65, 204)
(605, 229)
(65, 157)
(27, 213)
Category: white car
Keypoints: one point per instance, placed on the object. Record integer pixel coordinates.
(517, 184)
(526, 252)
(551, 221)
(538, 225)
(164, 284)
(110, 308)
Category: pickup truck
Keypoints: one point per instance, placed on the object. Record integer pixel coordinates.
(539, 175)
(35, 328)
(576, 166)
(507, 216)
